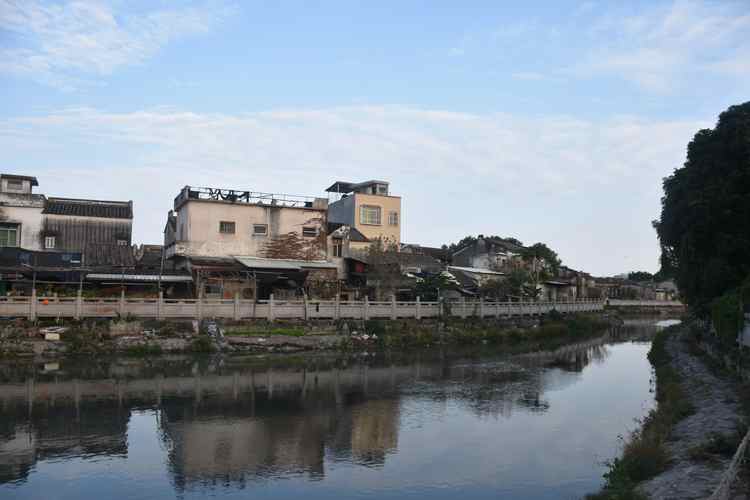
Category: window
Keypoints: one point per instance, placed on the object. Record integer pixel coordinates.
(15, 185)
(309, 231)
(226, 227)
(370, 215)
(8, 235)
(49, 242)
(393, 218)
(122, 243)
(260, 229)
(337, 248)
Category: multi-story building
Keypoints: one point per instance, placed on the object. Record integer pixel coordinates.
(368, 207)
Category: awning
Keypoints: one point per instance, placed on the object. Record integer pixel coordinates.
(149, 278)
(282, 264)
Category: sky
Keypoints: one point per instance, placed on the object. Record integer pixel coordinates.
(550, 121)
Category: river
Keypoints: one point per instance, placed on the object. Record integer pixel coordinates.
(430, 424)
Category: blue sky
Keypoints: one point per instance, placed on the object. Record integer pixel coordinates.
(549, 121)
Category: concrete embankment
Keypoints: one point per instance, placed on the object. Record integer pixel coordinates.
(153, 337)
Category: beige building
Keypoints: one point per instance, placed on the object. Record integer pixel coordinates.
(209, 222)
(367, 207)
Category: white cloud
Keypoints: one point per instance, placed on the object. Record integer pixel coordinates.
(63, 44)
(577, 184)
(664, 47)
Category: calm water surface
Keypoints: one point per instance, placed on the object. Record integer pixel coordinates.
(431, 425)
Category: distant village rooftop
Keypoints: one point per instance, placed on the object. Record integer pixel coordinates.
(190, 193)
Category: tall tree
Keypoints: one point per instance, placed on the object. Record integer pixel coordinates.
(543, 256)
(704, 228)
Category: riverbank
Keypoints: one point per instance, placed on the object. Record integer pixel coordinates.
(685, 445)
(25, 340)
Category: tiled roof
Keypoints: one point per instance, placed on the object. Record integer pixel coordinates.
(89, 208)
(108, 255)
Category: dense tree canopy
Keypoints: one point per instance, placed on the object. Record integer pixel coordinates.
(640, 276)
(542, 251)
(704, 229)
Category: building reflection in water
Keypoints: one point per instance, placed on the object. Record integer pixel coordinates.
(234, 421)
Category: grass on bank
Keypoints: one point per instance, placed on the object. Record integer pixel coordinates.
(254, 332)
(644, 454)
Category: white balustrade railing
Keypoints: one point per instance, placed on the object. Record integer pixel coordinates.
(78, 307)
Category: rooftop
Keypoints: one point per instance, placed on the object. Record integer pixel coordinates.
(189, 193)
(33, 180)
(89, 208)
(287, 264)
(344, 187)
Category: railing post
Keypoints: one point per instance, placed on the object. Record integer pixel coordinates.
(366, 308)
(32, 305)
(271, 315)
(236, 315)
(121, 304)
(418, 313)
(304, 304)
(199, 306)
(159, 301)
(394, 314)
(79, 304)
(481, 307)
(337, 308)
(463, 307)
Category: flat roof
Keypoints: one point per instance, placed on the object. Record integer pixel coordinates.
(348, 187)
(476, 270)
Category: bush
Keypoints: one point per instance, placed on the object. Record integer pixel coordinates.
(202, 344)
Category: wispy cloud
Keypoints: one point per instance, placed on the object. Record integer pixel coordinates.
(66, 44)
(659, 49)
(473, 173)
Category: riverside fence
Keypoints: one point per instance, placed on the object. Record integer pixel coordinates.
(78, 307)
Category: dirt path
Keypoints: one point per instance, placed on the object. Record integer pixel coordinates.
(716, 412)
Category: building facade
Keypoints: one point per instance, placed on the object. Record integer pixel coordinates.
(20, 212)
(210, 222)
(367, 207)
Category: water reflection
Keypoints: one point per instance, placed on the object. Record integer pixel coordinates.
(234, 422)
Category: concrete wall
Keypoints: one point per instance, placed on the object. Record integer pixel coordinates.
(198, 227)
(384, 230)
(342, 211)
(25, 210)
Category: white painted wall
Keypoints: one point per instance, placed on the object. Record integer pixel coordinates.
(27, 212)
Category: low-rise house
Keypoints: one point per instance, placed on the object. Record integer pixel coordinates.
(472, 279)
(489, 253)
(442, 255)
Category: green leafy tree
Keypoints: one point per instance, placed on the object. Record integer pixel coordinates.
(544, 260)
(384, 267)
(640, 276)
(704, 228)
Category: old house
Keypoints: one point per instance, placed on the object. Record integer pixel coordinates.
(242, 241)
(101, 230)
(489, 253)
(368, 207)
